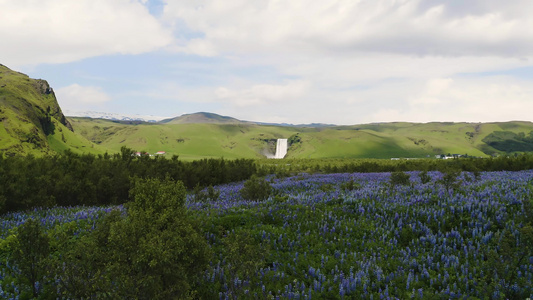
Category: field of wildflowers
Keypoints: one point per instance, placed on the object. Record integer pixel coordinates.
(356, 236)
(342, 236)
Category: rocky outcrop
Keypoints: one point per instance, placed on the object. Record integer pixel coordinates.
(28, 110)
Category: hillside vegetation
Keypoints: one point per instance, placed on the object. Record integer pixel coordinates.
(32, 121)
(248, 140)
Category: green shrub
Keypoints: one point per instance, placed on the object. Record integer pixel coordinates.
(399, 178)
(155, 252)
(424, 177)
(256, 189)
(350, 185)
(209, 195)
(328, 187)
(29, 252)
(450, 179)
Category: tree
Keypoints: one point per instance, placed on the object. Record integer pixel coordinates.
(155, 253)
(29, 252)
(424, 177)
(79, 265)
(450, 178)
(399, 178)
(256, 189)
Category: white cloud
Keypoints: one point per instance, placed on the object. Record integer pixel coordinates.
(331, 61)
(486, 99)
(409, 27)
(367, 60)
(59, 31)
(264, 94)
(77, 97)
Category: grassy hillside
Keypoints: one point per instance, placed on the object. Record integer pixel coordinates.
(386, 140)
(189, 141)
(32, 121)
(202, 118)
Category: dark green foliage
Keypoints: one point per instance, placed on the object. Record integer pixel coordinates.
(256, 189)
(350, 185)
(399, 178)
(424, 177)
(71, 179)
(450, 179)
(328, 187)
(80, 264)
(506, 260)
(244, 255)
(155, 253)
(29, 252)
(294, 139)
(406, 236)
(509, 141)
(209, 195)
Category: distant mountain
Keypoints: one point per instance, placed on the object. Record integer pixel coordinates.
(32, 121)
(194, 118)
(212, 118)
(311, 125)
(203, 118)
(113, 116)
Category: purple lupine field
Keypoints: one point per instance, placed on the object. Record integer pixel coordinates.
(356, 236)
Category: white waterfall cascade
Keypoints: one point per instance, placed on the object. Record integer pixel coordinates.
(281, 149)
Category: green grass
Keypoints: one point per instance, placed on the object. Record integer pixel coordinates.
(387, 140)
(63, 139)
(189, 141)
(29, 112)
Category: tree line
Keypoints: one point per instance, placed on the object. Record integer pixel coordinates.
(502, 163)
(71, 179)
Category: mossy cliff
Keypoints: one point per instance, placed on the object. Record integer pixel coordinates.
(29, 114)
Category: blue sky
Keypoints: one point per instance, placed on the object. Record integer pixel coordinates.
(298, 61)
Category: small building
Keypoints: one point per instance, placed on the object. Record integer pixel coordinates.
(160, 153)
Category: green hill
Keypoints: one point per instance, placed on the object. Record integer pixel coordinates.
(202, 118)
(248, 140)
(32, 121)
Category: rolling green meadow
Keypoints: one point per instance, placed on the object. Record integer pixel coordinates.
(387, 140)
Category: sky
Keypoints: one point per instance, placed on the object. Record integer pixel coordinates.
(295, 61)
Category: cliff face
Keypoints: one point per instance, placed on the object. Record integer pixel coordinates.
(28, 112)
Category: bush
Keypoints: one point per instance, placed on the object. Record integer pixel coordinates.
(399, 178)
(350, 185)
(424, 177)
(206, 195)
(29, 252)
(256, 189)
(450, 179)
(155, 252)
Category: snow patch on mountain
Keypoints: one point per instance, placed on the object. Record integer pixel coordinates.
(113, 116)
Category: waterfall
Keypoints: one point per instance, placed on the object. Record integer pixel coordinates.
(281, 149)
